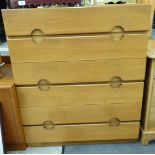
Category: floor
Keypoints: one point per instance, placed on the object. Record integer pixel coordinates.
(39, 150)
(129, 148)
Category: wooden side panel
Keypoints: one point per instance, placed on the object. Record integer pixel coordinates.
(151, 125)
(13, 132)
(79, 71)
(78, 48)
(18, 122)
(80, 95)
(153, 94)
(89, 132)
(81, 114)
(77, 20)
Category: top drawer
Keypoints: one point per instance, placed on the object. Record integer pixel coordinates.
(77, 20)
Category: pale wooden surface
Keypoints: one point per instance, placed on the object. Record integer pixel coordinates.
(81, 114)
(79, 71)
(153, 94)
(80, 95)
(152, 4)
(131, 17)
(151, 126)
(151, 49)
(85, 132)
(147, 136)
(72, 45)
(148, 131)
(69, 48)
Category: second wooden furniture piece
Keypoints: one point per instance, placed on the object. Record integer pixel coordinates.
(148, 131)
(79, 72)
(13, 132)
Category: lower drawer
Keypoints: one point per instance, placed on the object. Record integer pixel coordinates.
(81, 114)
(76, 95)
(84, 132)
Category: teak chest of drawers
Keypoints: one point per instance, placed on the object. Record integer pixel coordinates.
(79, 72)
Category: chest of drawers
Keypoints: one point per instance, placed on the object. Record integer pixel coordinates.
(79, 72)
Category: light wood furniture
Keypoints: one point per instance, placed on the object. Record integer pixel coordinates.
(13, 132)
(79, 72)
(152, 3)
(148, 130)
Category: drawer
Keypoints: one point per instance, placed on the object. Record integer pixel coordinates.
(84, 47)
(79, 71)
(77, 20)
(90, 94)
(84, 132)
(81, 114)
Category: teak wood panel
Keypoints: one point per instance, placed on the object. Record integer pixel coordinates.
(80, 95)
(11, 134)
(77, 20)
(13, 131)
(78, 48)
(81, 114)
(85, 132)
(79, 71)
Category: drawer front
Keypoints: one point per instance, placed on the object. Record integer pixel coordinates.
(77, 20)
(94, 47)
(79, 71)
(81, 114)
(85, 132)
(80, 95)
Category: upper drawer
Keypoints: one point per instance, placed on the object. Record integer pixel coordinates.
(77, 20)
(80, 71)
(81, 47)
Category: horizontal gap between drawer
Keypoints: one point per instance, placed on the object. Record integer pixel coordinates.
(92, 123)
(80, 83)
(72, 61)
(66, 106)
(79, 34)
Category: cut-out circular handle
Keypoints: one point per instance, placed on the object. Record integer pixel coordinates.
(117, 33)
(37, 36)
(44, 85)
(116, 82)
(48, 125)
(114, 122)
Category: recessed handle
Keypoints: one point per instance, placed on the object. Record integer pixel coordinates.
(37, 36)
(114, 122)
(48, 125)
(117, 33)
(116, 82)
(44, 85)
